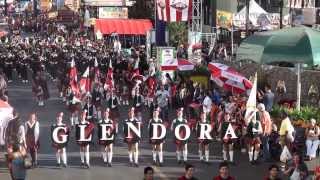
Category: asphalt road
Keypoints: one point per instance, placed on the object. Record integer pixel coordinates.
(21, 98)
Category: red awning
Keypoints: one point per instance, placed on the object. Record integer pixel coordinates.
(123, 26)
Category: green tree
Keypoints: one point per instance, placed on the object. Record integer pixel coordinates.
(178, 33)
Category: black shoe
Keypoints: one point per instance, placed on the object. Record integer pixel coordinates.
(207, 163)
(154, 163)
(253, 162)
(58, 165)
(87, 166)
(82, 165)
(179, 162)
(64, 165)
(109, 165)
(232, 163)
(131, 164)
(136, 165)
(185, 162)
(160, 164)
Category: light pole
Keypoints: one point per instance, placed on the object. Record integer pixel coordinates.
(247, 17)
(281, 13)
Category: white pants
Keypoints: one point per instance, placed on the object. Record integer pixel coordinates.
(312, 146)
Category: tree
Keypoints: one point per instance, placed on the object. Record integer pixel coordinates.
(178, 33)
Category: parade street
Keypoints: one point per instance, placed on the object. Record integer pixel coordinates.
(21, 98)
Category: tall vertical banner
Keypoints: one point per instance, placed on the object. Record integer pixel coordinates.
(160, 25)
(194, 54)
(174, 10)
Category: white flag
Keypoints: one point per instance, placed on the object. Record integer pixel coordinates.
(252, 102)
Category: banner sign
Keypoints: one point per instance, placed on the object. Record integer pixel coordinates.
(224, 19)
(168, 58)
(104, 2)
(113, 12)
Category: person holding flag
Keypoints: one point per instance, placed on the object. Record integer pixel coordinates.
(74, 105)
(113, 102)
(157, 144)
(181, 145)
(107, 145)
(254, 130)
(132, 132)
(89, 108)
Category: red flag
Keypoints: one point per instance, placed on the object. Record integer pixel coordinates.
(73, 74)
(85, 84)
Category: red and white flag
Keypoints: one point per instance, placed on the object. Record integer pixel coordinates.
(136, 72)
(85, 84)
(73, 74)
(174, 10)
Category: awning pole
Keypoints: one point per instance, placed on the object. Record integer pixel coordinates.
(299, 86)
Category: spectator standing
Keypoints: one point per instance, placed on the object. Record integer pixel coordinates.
(286, 130)
(17, 164)
(268, 98)
(223, 172)
(266, 123)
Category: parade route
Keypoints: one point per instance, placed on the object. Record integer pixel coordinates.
(21, 98)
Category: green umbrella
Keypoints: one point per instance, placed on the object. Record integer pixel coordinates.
(298, 45)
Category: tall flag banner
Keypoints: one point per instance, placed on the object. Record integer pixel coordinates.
(73, 75)
(160, 24)
(85, 84)
(252, 102)
(174, 10)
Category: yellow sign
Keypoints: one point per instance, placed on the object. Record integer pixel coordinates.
(203, 80)
(224, 19)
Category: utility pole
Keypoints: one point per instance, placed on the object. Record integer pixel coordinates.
(5, 8)
(281, 13)
(247, 17)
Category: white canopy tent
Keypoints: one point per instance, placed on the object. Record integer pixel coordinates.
(257, 15)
